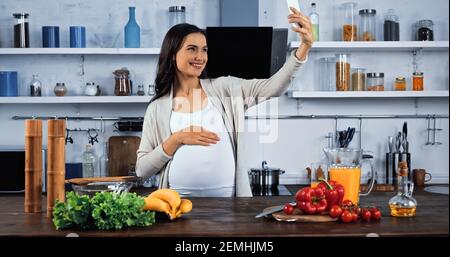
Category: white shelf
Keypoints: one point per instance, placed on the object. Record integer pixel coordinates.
(377, 45)
(367, 94)
(74, 99)
(84, 51)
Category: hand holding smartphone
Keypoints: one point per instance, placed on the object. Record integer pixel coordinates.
(293, 3)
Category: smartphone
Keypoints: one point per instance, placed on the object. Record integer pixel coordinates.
(293, 3)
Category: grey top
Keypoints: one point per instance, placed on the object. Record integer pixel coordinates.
(232, 97)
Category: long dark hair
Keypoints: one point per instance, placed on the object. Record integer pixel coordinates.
(166, 64)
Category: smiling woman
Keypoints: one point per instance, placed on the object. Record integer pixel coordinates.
(190, 132)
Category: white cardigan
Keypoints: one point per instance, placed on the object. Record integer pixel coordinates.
(232, 97)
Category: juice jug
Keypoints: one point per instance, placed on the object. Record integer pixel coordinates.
(344, 166)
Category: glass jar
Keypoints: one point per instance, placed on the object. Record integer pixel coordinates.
(367, 30)
(417, 81)
(90, 89)
(60, 89)
(123, 84)
(140, 91)
(349, 28)
(327, 74)
(375, 81)
(391, 26)
(424, 30)
(151, 89)
(35, 86)
(358, 79)
(177, 15)
(21, 30)
(400, 84)
(342, 72)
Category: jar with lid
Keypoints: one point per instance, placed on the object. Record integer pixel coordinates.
(417, 81)
(151, 89)
(35, 86)
(90, 89)
(375, 81)
(177, 15)
(140, 91)
(60, 89)
(391, 26)
(327, 74)
(342, 72)
(367, 29)
(400, 84)
(424, 30)
(122, 82)
(21, 30)
(349, 28)
(358, 79)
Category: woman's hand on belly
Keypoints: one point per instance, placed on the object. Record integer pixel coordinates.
(192, 135)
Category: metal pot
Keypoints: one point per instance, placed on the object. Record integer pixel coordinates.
(265, 177)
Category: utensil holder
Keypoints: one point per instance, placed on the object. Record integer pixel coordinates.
(392, 160)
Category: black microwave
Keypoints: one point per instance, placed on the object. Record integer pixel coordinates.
(12, 169)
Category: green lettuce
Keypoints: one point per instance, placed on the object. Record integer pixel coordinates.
(105, 210)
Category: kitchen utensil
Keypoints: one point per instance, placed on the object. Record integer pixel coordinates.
(391, 144)
(122, 154)
(298, 216)
(273, 209)
(92, 188)
(350, 134)
(398, 142)
(405, 129)
(85, 181)
(265, 177)
(404, 143)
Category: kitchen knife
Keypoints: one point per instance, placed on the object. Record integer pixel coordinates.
(405, 129)
(390, 144)
(273, 210)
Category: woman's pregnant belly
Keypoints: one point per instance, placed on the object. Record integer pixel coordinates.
(203, 167)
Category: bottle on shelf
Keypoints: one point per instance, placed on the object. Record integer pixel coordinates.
(403, 204)
(89, 162)
(104, 162)
(132, 30)
(314, 17)
(35, 86)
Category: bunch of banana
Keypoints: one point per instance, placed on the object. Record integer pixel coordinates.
(168, 201)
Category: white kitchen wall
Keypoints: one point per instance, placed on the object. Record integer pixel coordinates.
(299, 142)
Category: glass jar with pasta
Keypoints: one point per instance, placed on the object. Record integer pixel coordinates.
(342, 72)
(349, 28)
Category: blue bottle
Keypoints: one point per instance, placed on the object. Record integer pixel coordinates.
(132, 31)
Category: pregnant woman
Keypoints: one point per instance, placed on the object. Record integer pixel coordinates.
(191, 127)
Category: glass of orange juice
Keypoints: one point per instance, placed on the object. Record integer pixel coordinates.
(349, 177)
(318, 170)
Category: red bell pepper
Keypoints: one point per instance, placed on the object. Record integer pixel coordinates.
(311, 200)
(334, 192)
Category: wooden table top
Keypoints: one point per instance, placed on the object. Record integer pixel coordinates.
(235, 217)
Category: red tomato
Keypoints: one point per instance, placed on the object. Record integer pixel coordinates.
(347, 203)
(347, 216)
(375, 213)
(354, 216)
(335, 211)
(366, 215)
(288, 209)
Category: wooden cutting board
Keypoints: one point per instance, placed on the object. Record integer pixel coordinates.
(298, 216)
(122, 154)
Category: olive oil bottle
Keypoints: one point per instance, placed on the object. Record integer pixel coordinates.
(403, 204)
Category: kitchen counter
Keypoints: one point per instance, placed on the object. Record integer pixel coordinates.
(231, 217)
